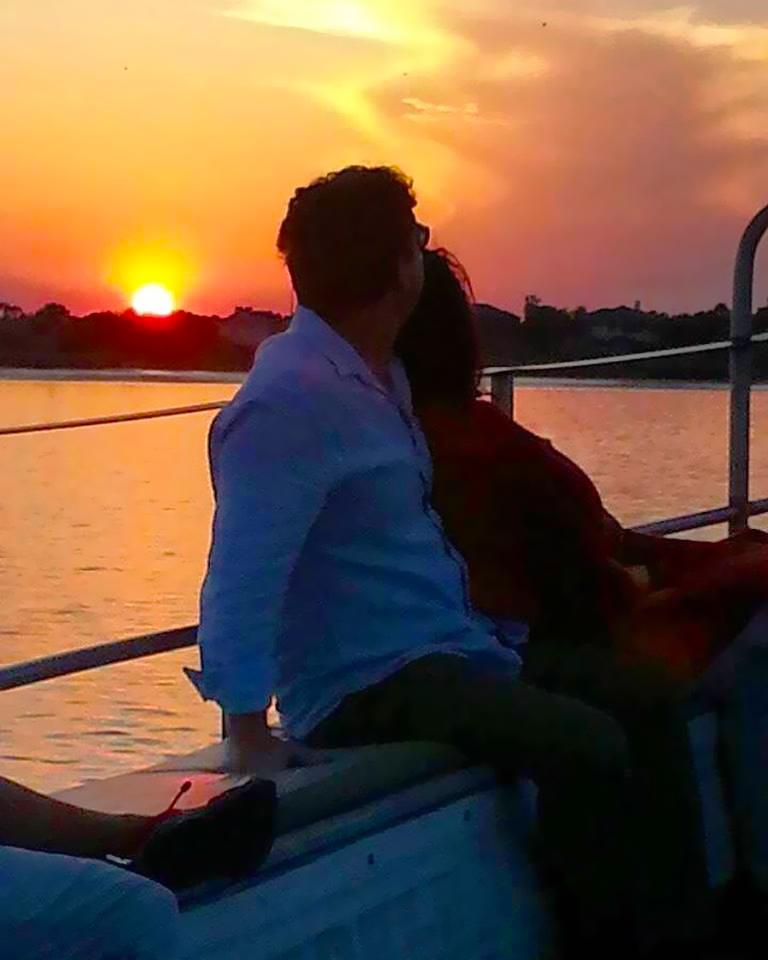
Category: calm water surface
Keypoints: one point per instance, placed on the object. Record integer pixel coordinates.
(104, 533)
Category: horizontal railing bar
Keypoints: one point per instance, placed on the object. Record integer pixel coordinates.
(115, 418)
(708, 518)
(90, 658)
(623, 357)
(121, 651)
(487, 372)
(126, 375)
(698, 521)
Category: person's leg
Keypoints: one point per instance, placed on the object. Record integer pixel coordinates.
(231, 835)
(737, 684)
(53, 906)
(576, 755)
(36, 822)
(654, 716)
(729, 667)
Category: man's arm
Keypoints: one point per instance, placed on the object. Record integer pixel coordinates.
(272, 477)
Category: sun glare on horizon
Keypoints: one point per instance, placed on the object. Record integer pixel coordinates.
(153, 300)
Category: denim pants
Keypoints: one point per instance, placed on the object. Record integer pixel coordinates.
(736, 684)
(55, 907)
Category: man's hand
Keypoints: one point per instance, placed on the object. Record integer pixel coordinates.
(252, 748)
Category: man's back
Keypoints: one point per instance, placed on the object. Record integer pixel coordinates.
(329, 569)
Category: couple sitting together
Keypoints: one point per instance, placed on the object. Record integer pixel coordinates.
(397, 560)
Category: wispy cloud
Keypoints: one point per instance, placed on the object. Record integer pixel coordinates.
(559, 135)
(362, 19)
(421, 111)
(622, 165)
(748, 41)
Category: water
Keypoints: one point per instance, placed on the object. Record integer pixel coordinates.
(104, 533)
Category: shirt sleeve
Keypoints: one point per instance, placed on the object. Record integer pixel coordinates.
(271, 476)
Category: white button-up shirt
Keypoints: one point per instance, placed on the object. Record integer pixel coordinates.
(329, 570)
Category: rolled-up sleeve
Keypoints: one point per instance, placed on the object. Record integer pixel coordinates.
(271, 477)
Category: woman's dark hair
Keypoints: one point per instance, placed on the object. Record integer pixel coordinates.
(438, 344)
(344, 236)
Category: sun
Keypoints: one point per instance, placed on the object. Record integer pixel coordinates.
(153, 300)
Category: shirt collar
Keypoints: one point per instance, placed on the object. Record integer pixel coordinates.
(313, 330)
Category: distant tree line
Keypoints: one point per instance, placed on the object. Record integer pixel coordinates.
(546, 334)
(53, 338)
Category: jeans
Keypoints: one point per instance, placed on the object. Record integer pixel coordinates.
(736, 684)
(55, 907)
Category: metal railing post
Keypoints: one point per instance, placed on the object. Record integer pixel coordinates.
(740, 363)
(503, 391)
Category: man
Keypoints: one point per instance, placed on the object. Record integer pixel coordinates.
(331, 583)
(60, 899)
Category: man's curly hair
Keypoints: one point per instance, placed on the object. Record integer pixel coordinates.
(344, 236)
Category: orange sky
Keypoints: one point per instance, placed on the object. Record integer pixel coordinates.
(610, 155)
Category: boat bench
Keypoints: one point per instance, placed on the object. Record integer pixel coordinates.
(385, 851)
(307, 794)
(381, 849)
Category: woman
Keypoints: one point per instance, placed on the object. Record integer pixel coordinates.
(541, 549)
(539, 544)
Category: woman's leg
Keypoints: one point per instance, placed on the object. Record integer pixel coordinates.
(654, 716)
(36, 822)
(229, 836)
(576, 754)
(737, 683)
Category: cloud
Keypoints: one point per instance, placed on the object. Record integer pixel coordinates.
(386, 21)
(421, 111)
(746, 40)
(345, 18)
(623, 169)
(713, 11)
(516, 65)
(582, 149)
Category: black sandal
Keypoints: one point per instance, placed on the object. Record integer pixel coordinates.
(227, 839)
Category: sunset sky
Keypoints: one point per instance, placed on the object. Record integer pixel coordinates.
(588, 151)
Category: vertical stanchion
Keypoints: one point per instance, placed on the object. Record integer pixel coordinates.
(503, 391)
(740, 363)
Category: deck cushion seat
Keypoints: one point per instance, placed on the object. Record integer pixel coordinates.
(350, 779)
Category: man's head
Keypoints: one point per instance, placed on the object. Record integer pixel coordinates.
(351, 242)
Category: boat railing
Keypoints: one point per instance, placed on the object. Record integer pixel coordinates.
(736, 513)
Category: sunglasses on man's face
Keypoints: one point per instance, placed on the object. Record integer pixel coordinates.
(422, 236)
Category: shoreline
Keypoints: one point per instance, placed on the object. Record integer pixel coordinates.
(224, 377)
